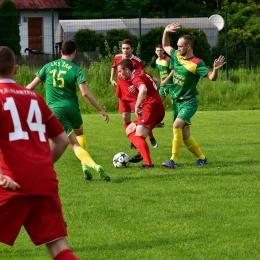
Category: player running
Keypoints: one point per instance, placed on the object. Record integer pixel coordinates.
(61, 77)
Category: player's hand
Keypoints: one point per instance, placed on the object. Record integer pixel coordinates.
(8, 183)
(131, 89)
(163, 83)
(113, 83)
(173, 27)
(105, 115)
(138, 111)
(219, 62)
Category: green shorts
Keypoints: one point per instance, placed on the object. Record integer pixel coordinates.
(69, 117)
(184, 109)
(165, 90)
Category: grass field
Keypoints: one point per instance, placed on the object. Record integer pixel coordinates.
(189, 213)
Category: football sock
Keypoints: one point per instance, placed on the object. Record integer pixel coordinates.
(176, 143)
(82, 141)
(126, 124)
(142, 146)
(65, 254)
(193, 147)
(151, 134)
(84, 157)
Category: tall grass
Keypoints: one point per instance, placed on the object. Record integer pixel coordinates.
(240, 91)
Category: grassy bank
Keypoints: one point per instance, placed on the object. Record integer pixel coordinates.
(241, 90)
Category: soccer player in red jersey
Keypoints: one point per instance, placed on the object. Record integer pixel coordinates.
(124, 90)
(149, 109)
(28, 184)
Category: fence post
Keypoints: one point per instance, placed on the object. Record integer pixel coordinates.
(140, 32)
(226, 42)
(52, 30)
(247, 58)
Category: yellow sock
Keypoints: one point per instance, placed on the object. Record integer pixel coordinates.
(85, 157)
(193, 147)
(176, 143)
(82, 141)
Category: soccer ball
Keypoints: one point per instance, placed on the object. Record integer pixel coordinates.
(121, 160)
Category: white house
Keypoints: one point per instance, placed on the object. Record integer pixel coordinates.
(38, 20)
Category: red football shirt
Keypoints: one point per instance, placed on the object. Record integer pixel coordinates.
(26, 124)
(123, 85)
(152, 98)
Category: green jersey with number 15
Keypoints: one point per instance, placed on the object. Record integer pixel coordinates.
(61, 79)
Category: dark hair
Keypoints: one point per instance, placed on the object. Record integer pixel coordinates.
(159, 46)
(126, 64)
(7, 60)
(68, 47)
(188, 40)
(128, 41)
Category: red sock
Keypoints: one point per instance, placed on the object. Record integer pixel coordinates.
(126, 124)
(65, 254)
(151, 134)
(142, 147)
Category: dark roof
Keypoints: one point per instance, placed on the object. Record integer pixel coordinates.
(40, 4)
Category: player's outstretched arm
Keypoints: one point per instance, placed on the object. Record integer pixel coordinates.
(90, 98)
(165, 39)
(34, 83)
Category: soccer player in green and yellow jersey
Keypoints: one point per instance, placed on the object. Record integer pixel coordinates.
(61, 78)
(164, 65)
(187, 71)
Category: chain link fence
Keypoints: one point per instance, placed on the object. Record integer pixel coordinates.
(42, 33)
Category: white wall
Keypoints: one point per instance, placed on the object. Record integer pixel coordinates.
(47, 29)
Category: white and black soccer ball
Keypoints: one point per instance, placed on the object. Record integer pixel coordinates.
(121, 160)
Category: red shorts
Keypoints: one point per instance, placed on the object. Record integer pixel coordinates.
(40, 215)
(151, 116)
(126, 105)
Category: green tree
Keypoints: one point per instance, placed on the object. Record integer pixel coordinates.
(9, 29)
(239, 42)
(87, 40)
(115, 36)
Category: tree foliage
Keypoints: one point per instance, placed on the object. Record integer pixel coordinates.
(9, 29)
(87, 40)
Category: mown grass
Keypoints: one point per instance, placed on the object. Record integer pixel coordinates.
(209, 212)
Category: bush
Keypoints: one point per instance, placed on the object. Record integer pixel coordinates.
(87, 40)
(114, 38)
(238, 42)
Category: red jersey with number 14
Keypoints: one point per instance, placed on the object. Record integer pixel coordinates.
(26, 124)
(123, 85)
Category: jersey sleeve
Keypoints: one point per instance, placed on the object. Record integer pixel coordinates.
(80, 76)
(170, 63)
(41, 74)
(202, 69)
